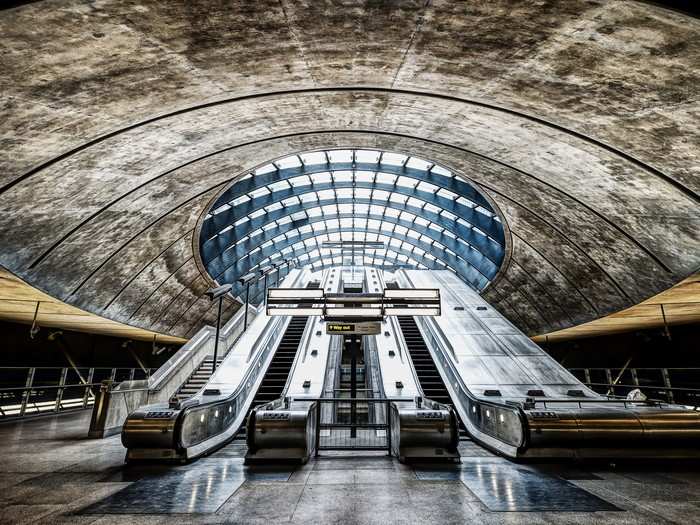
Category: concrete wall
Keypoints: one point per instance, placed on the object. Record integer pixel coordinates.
(121, 121)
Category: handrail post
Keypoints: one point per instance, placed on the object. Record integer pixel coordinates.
(216, 340)
(388, 427)
(88, 387)
(27, 392)
(667, 383)
(318, 426)
(59, 391)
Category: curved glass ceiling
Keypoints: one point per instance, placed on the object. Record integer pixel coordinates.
(351, 207)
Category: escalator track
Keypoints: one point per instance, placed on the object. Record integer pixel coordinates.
(272, 386)
(428, 375)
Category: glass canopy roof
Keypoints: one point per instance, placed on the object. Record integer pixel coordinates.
(305, 209)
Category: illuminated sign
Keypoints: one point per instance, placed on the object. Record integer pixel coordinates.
(353, 328)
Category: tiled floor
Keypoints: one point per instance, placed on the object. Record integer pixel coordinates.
(51, 473)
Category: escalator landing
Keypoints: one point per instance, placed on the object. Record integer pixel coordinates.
(52, 474)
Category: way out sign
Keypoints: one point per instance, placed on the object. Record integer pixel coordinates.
(369, 328)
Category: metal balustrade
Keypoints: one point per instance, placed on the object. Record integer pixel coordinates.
(673, 385)
(337, 431)
(31, 391)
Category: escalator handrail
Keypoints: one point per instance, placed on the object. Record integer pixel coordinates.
(426, 324)
(401, 341)
(260, 351)
(496, 405)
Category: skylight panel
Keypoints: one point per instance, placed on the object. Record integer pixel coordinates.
(401, 230)
(240, 200)
(260, 192)
(484, 211)
(321, 178)
(326, 194)
(381, 195)
(344, 193)
(288, 162)
(296, 182)
(221, 209)
(419, 164)
(431, 208)
(406, 182)
(279, 185)
(267, 168)
(307, 198)
(364, 176)
(466, 202)
(273, 207)
(343, 176)
(412, 201)
(439, 170)
(395, 159)
(386, 178)
(442, 192)
(315, 157)
(362, 193)
(430, 188)
(257, 213)
(340, 155)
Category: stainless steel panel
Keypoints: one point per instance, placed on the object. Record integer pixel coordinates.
(473, 371)
(546, 371)
(476, 344)
(505, 370)
(520, 345)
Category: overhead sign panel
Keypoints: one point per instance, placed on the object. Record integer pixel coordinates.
(373, 328)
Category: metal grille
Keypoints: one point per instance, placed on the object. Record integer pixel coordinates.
(673, 385)
(353, 424)
(26, 391)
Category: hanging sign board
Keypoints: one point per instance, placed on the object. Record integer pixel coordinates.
(370, 328)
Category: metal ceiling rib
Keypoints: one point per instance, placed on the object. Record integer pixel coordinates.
(427, 217)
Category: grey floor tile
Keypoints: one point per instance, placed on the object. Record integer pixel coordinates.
(255, 502)
(331, 477)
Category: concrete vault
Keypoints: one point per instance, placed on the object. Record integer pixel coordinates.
(123, 122)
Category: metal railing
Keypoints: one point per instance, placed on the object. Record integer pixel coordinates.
(673, 385)
(30, 391)
(214, 421)
(336, 430)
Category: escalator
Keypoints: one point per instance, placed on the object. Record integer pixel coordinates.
(275, 379)
(254, 372)
(428, 375)
(430, 381)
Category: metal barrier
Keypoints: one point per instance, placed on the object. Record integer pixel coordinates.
(30, 391)
(335, 429)
(673, 385)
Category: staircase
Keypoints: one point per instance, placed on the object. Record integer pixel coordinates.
(430, 381)
(198, 379)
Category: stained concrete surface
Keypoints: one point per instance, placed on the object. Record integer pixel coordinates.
(121, 120)
(51, 473)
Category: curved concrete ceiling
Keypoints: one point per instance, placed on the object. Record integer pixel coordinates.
(122, 122)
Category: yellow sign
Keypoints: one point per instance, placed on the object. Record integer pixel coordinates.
(371, 328)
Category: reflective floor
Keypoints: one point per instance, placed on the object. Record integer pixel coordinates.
(51, 473)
